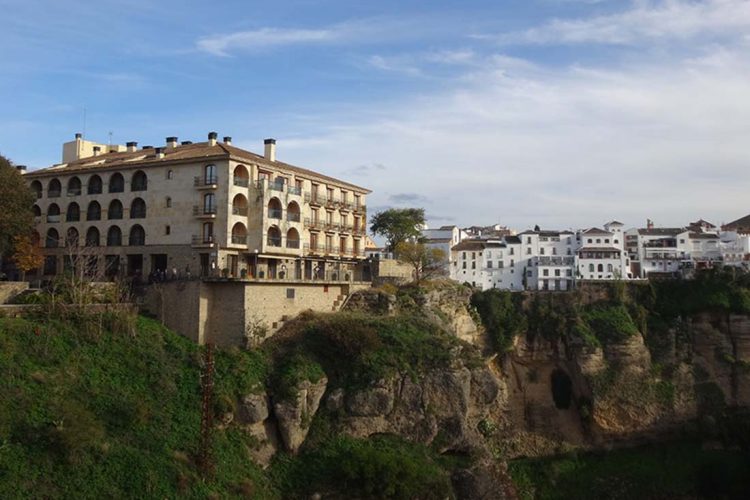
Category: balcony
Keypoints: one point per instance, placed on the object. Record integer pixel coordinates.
(206, 182)
(273, 242)
(138, 213)
(239, 239)
(315, 199)
(241, 181)
(208, 212)
(293, 244)
(203, 241)
(292, 217)
(53, 218)
(74, 191)
(345, 228)
(54, 194)
(297, 191)
(239, 211)
(358, 207)
(275, 213)
(332, 227)
(332, 202)
(314, 224)
(556, 261)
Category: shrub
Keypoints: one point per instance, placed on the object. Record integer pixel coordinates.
(610, 323)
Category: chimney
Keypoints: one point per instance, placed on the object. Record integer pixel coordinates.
(97, 150)
(21, 169)
(649, 224)
(269, 152)
(132, 146)
(212, 138)
(79, 136)
(227, 140)
(171, 142)
(159, 152)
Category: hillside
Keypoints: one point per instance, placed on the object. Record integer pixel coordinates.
(430, 392)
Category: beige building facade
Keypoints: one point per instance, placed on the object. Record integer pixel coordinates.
(197, 209)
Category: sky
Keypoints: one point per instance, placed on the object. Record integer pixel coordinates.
(558, 113)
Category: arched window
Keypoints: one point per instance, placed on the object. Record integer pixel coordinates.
(114, 237)
(274, 237)
(239, 205)
(138, 209)
(241, 176)
(53, 213)
(94, 211)
(54, 188)
(168, 202)
(139, 181)
(37, 211)
(95, 185)
(116, 183)
(92, 237)
(600, 268)
(609, 268)
(170, 174)
(137, 236)
(293, 212)
(74, 213)
(53, 238)
(74, 186)
(274, 208)
(209, 203)
(71, 237)
(36, 188)
(591, 268)
(292, 238)
(209, 174)
(239, 234)
(115, 210)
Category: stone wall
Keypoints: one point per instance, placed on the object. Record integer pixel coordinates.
(9, 289)
(391, 271)
(219, 311)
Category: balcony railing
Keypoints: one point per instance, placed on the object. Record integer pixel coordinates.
(203, 240)
(206, 181)
(332, 202)
(53, 218)
(292, 243)
(53, 194)
(276, 186)
(293, 216)
(239, 210)
(241, 181)
(72, 217)
(273, 241)
(205, 210)
(74, 191)
(239, 239)
(556, 261)
(295, 190)
(138, 214)
(315, 199)
(274, 213)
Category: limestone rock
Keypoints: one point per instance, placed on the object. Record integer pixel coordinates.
(294, 416)
(335, 400)
(254, 408)
(371, 402)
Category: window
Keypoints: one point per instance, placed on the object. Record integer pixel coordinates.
(512, 263)
(54, 189)
(92, 237)
(209, 175)
(168, 202)
(606, 240)
(489, 264)
(74, 213)
(591, 268)
(557, 272)
(529, 273)
(209, 203)
(600, 268)
(115, 210)
(138, 209)
(473, 265)
(554, 251)
(167, 230)
(464, 265)
(74, 186)
(512, 251)
(545, 272)
(609, 268)
(590, 240)
(116, 183)
(137, 236)
(208, 232)
(541, 251)
(598, 240)
(114, 237)
(170, 174)
(500, 264)
(528, 251)
(95, 185)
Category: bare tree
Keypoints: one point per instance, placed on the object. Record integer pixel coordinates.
(425, 261)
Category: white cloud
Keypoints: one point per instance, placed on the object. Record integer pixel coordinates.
(557, 147)
(646, 20)
(221, 45)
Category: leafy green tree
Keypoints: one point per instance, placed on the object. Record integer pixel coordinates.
(16, 201)
(398, 224)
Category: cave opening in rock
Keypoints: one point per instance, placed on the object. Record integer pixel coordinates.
(562, 389)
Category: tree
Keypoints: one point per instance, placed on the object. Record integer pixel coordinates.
(16, 200)
(26, 254)
(425, 261)
(398, 224)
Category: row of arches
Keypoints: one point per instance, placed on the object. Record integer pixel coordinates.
(93, 211)
(136, 237)
(600, 268)
(95, 185)
(276, 209)
(274, 239)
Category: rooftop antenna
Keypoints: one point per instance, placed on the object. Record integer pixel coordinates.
(110, 137)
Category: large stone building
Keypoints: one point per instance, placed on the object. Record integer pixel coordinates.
(208, 209)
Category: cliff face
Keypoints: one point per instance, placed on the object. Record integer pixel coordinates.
(543, 395)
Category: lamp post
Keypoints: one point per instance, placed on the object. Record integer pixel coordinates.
(255, 266)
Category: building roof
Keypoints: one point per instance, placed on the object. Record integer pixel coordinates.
(437, 240)
(704, 236)
(474, 245)
(661, 231)
(596, 230)
(614, 223)
(702, 223)
(447, 228)
(544, 232)
(201, 151)
(511, 240)
(740, 225)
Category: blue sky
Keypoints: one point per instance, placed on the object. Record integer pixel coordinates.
(562, 113)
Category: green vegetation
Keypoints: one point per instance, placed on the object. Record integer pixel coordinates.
(357, 349)
(502, 316)
(672, 470)
(380, 467)
(89, 413)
